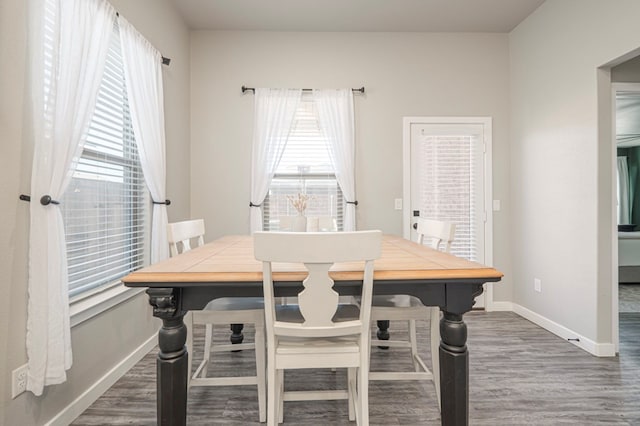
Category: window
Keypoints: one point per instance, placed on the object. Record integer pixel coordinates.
(305, 168)
(105, 208)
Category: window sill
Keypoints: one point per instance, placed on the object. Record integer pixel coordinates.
(88, 307)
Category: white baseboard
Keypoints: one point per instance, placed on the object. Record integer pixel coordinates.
(597, 349)
(499, 307)
(81, 403)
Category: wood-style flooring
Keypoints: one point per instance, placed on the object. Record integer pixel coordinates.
(520, 374)
(629, 297)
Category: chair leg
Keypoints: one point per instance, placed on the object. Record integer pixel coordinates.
(208, 337)
(435, 350)
(351, 391)
(273, 391)
(281, 399)
(413, 341)
(261, 372)
(363, 393)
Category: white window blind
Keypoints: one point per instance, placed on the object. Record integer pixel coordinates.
(305, 168)
(105, 208)
(450, 185)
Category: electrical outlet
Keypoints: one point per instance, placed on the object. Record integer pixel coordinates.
(19, 381)
(398, 203)
(537, 285)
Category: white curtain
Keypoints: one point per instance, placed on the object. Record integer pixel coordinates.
(335, 110)
(624, 210)
(274, 112)
(143, 76)
(64, 93)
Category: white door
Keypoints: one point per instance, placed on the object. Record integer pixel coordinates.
(447, 177)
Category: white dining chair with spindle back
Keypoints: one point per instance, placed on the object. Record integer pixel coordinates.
(319, 332)
(227, 310)
(439, 235)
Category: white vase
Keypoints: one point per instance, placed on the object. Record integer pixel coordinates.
(299, 223)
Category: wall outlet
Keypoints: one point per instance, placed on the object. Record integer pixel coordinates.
(19, 381)
(537, 285)
(398, 204)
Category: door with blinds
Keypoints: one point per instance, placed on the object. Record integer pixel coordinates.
(448, 179)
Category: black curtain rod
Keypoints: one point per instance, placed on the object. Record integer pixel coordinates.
(165, 61)
(253, 89)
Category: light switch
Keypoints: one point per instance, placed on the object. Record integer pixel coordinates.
(398, 203)
(496, 205)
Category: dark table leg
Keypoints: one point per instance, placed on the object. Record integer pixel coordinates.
(171, 364)
(236, 333)
(454, 370)
(383, 332)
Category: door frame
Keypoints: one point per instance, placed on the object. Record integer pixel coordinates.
(486, 123)
(615, 302)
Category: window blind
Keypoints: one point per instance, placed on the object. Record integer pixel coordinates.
(448, 187)
(105, 207)
(305, 168)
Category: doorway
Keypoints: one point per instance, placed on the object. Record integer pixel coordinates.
(447, 176)
(626, 119)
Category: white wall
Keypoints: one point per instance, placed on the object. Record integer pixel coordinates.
(101, 342)
(405, 74)
(560, 163)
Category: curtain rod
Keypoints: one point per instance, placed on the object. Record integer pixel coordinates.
(253, 89)
(165, 61)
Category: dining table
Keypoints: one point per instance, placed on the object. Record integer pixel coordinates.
(226, 267)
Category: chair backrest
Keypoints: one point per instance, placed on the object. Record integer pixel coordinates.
(438, 232)
(180, 234)
(318, 302)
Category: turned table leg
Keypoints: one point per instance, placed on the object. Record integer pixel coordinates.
(383, 332)
(454, 370)
(171, 363)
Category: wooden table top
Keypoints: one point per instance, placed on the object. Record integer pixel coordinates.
(231, 259)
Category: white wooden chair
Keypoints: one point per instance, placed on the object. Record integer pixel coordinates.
(410, 308)
(319, 332)
(228, 310)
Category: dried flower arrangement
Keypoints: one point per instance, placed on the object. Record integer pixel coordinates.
(299, 202)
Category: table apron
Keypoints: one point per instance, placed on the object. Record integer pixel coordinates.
(450, 295)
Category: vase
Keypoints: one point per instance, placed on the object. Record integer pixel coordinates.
(299, 223)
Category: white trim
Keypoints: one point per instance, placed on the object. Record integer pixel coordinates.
(84, 401)
(594, 348)
(85, 308)
(487, 126)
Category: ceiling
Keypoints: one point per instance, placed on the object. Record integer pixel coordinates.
(499, 16)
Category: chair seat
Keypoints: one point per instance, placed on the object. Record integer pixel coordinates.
(291, 313)
(398, 307)
(396, 301)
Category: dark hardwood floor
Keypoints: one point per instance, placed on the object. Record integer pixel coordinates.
(520, 374)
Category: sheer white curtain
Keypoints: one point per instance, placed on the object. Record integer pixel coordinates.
(273, 117)
(335, 110)
(143, 76)
(68, 41)
(623, 192)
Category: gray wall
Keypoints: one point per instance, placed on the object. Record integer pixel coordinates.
(99, 343)
(562, 159)
(405, 74)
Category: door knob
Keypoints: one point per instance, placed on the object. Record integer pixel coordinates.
(415, 226)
